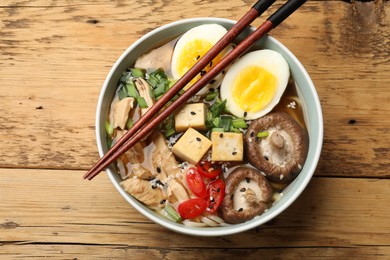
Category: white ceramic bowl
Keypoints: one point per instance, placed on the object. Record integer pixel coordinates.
(306, 91)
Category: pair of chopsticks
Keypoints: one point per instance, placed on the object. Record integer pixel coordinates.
(153, 117)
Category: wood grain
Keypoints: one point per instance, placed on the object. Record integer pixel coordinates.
(54, 57)
(60, 209)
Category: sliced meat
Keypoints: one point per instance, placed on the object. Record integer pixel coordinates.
(121, 109)
(157, 58)
(144, 91)
(144, 191)
(131, 162)
(176, 192)
(163, 159)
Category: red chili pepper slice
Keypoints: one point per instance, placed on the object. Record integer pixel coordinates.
(196, 183)
(209, 170)
(215, 193)
(192, 208)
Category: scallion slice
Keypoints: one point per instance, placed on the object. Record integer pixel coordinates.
(239, 123)
(137, 73)
(141, 102)
(211, 96)
(217, 129)
(262, 134)
(109, 128)
(171, 213)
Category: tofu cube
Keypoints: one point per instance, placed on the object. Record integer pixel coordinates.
(227, 146)
(191, 115)
(192, 146)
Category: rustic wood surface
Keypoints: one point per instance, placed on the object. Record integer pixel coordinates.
(54, 57)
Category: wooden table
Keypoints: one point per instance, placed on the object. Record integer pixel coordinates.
(54, 57)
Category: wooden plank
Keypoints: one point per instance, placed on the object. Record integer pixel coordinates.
(46, 45)
(123, 252)
(48, 207)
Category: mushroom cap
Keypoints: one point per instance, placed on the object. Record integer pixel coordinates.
(247, 194)
(282, 153)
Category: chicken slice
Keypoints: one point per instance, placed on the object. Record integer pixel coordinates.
(144, 91)
(176, 192)
(131, 162)
(142, 190)
(163, 159)
(121, 109)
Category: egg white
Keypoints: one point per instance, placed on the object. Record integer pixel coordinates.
(269, 60)
(208, 32)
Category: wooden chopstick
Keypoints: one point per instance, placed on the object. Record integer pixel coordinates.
(256, 10)
(149, 122)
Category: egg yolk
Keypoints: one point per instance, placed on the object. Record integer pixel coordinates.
(253, 88)
(190, 54)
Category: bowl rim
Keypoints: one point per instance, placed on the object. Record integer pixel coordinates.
(224, 230)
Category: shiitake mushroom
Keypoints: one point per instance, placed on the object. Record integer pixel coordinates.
(247, 195)
(277, 145)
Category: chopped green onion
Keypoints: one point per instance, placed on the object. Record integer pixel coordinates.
(160, 90)
(217, 129)
(234, 130)
(137, 73)
(131, 89)
(129, 123)
(125, 77)
(158, 77)
(171, 213)
(169, 132)
(262, 134)
(225, 122)
(209, 119)
(122, 92)
(141, 102)
(109, 128)
(211, 96)
(216, 121)
(217, 108)
(239, 123)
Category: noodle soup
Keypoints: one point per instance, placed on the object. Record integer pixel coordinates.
(221, 159)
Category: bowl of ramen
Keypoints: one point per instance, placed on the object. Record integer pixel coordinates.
(231, 158)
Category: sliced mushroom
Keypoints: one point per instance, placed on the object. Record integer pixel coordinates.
(247, 195)
(281, 149)
(144, 90)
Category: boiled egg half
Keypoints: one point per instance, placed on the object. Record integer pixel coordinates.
(254, 84)
(193, 45)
